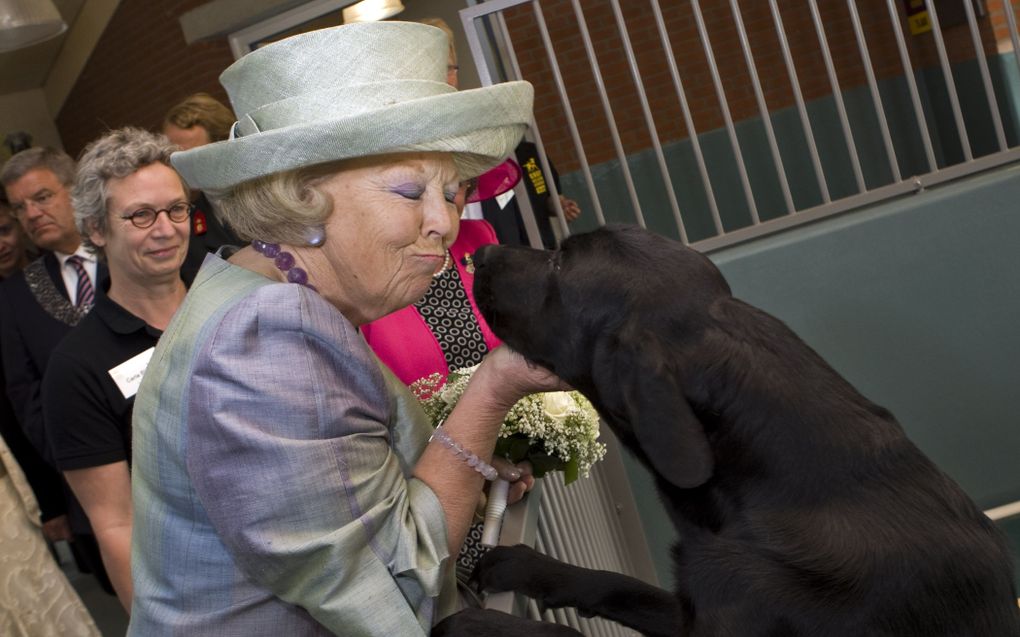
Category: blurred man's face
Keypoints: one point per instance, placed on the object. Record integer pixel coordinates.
(43, 207)
(187, 138)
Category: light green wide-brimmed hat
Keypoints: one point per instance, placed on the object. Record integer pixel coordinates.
(353, 91)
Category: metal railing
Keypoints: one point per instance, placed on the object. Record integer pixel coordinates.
(901, 124)
(592, 523)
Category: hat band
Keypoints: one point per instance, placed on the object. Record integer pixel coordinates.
(334, 103)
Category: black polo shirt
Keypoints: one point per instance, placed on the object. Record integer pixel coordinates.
(87, 416)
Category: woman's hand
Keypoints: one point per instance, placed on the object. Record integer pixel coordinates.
(518, 475)
(508, 377)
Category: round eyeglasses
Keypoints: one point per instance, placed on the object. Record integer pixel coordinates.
(145, 217)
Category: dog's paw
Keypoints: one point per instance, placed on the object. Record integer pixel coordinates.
(522, 569)
(505, 568)
(474, 622)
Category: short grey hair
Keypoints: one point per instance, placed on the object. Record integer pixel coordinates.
(56, 161)
(277, 208)
(115, 155)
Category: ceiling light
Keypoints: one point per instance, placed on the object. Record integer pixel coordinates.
(27, 22)
(372, 10)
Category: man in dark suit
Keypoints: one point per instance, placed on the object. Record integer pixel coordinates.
(504, 214)
(39, 305)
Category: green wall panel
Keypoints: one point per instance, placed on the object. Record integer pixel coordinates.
(917, 303)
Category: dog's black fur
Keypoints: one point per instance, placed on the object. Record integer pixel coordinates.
(802, 508)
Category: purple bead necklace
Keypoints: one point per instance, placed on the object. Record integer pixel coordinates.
(284, 262)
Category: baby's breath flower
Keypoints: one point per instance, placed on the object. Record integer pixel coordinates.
(555, 431)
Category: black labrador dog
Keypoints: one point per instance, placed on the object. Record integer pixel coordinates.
(802, 507)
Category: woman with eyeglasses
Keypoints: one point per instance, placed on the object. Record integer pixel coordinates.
(133, 210)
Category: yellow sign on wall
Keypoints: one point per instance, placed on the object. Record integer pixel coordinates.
(917, 17)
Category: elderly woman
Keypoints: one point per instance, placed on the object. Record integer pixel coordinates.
(132, 209)
(285, 482)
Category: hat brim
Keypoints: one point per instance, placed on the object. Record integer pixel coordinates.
(479, 127)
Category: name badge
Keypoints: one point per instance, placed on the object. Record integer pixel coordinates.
(128, 375)
(505, 198)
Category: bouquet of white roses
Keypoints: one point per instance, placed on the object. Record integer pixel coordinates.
(554, 431)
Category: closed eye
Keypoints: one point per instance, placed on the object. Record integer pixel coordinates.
(414, 194)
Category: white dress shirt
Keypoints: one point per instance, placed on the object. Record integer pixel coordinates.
(70, 275)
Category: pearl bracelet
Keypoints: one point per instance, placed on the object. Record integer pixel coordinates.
(476, 463)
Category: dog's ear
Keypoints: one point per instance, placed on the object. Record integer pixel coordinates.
(649, 393)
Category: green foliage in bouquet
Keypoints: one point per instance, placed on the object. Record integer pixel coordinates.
(555, 431)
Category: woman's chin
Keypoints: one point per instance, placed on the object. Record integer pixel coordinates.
(417, 292)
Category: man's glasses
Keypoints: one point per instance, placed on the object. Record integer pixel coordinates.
(145, 217)
(41, 200)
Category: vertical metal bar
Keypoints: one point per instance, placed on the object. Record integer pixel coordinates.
(558, 534)
(635, 74)
(763, 108)
(578, 533)
(591, 517)
(475, 46)
(876, 97)
(837, 96)
(608, 547)
(621, 156)
(609, 506)
(986, 78)
(528, 214)
(469, 17)
(908, 73)
(798, 96)
(947, 72)
(575, 136)
(1007, 8)
(591, 535)
(725, 108)
(692, 133)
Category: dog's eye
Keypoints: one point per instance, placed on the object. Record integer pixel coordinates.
(554, 261)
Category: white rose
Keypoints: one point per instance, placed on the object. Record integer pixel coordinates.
(557, 405)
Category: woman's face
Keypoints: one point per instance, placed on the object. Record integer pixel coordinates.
(12, 246)
(144, 255)
(393, 219)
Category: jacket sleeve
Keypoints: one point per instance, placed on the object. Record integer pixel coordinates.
(295, 454)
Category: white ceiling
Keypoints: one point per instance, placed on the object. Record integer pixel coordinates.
(27, 68)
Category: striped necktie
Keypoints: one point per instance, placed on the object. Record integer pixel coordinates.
(86, 294)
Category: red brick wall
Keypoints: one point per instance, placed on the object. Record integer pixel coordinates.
(693, 68)
(140, 68)
(141, 65)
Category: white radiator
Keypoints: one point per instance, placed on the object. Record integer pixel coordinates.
(591, 523)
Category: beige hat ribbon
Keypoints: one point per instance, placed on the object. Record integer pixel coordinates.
(335, 103)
